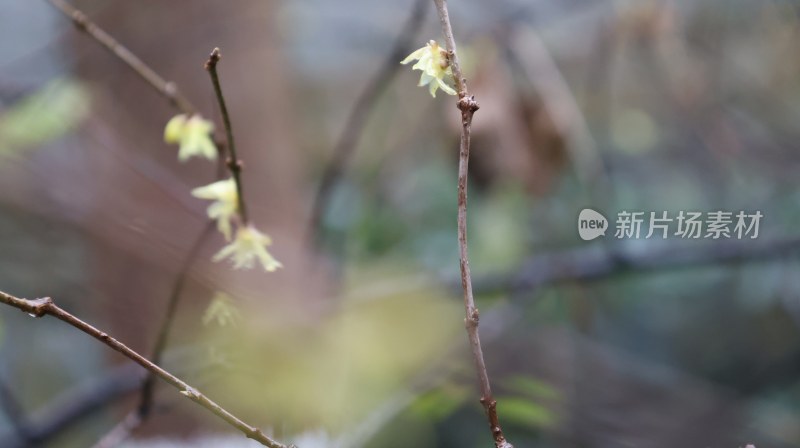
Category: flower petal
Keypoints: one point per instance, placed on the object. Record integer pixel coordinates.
(432, 87)
(415, 55)
(225, 252)
(446, 88)
(174, 129)
(425, 79)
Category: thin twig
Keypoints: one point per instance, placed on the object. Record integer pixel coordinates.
(148, 386)
(166, 88)
(234, 163)
(136, 417)
(46, 306)
(356, 121)
(467, 105)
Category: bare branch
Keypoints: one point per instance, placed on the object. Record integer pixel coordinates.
(353, 128)
(46, 306)
(167, 89)
(234, 163)
(467, 105)
(596, 262)
(136, 417)
(148, 387)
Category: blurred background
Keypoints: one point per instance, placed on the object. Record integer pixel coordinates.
(640, 105)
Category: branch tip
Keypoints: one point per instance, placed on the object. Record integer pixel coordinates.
(213, 58)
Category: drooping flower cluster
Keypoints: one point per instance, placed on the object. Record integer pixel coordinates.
(193, 134)
(435, 67)
(248, 247)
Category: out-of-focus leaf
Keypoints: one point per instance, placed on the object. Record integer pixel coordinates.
(439, 403)
(43, 116)
(524, 412)
(222, 310)
(531, 387)
(499, 229)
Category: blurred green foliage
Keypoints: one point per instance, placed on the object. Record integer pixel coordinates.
(43, 116)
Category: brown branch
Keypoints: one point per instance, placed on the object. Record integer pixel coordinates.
(148, 387)
(467, 105)
(46, 306)
(136, 417)
(167, 89)
(356, 121)
(234, 163)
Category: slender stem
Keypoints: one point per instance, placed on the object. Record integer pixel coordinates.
(148, 387)
(46, 306)
(353, 129)
(234, 163)
(467, 105)
(167, 89)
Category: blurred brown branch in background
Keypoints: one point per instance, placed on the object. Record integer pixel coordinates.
(71, 407)
(598, 262)
(46, 306)
(467, 105)
(353, 128)
(14, 412)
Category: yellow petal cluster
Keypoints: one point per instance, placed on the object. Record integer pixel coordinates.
(433, 62)
(249, 246)
(193, 135)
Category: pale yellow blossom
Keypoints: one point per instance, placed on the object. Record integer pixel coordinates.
(435, 67)
(222, 310)
(193, 134)
(249, 246)
(225, 205)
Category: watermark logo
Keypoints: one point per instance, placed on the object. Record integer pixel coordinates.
(591, 224)
(661, 225)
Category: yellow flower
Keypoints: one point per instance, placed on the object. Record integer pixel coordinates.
(225, 205)
(434, 66)
(193, 134)
(222, 310)
(248, 246)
